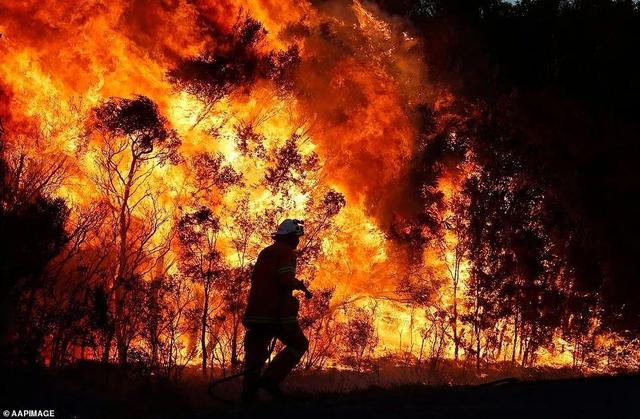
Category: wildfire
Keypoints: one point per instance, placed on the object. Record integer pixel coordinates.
(339, 125)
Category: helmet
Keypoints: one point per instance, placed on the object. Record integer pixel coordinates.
(290, 226)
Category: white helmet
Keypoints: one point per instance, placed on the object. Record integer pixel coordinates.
(290, 226)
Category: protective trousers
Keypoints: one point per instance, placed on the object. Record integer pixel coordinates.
(256, 346)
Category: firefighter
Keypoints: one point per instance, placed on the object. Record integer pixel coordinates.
(272, 312)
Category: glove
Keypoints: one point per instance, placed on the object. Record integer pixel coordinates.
(302, 287)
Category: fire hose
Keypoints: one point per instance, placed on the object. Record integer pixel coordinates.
(216, 383)
(308, 295)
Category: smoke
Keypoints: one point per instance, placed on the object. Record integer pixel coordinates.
(360, 78)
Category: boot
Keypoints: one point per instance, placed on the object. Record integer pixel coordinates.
(271, 386)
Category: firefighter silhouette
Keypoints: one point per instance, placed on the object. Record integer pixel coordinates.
(272, 312)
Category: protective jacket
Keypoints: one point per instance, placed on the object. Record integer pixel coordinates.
(272, 283)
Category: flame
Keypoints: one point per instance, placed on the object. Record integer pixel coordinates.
(359, 69)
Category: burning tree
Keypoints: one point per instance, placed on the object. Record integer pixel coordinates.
(360, 336)
(481, 205)
(32, 223)
(318, 320)
(201, 262)
(234, 64)
(132, 140)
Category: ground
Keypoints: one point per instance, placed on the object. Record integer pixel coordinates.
(107, 392)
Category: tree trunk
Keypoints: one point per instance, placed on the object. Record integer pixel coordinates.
(478, 349)
(234, 343)
(119, 293)
(456, 280)
(107, 345)
(203, 336)
(515, 338)
(455, 320)
(477, 327)
(123, 349)
(500, 342)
